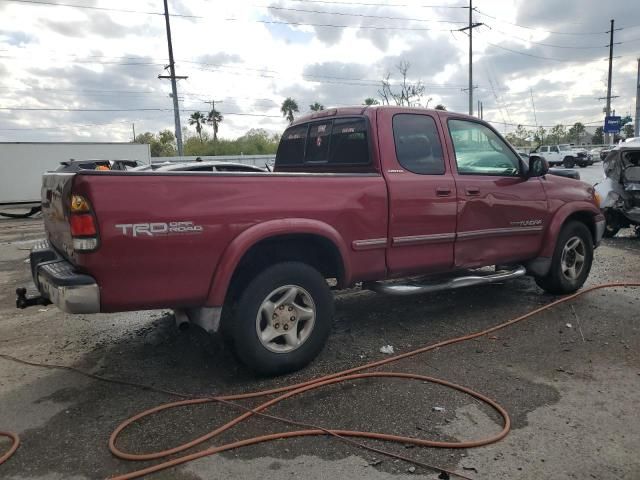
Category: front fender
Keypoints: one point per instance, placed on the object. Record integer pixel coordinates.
(242, 243)
(560, 217)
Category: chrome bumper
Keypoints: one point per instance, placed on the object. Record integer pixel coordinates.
(57, 280)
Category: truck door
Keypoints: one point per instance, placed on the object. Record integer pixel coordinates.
(422, 193)
(501, 213)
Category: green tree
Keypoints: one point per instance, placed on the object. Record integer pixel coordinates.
(539, 135)
(557, 134)
(316, 107)
(371, 101)
(522, 136)
(288, 108)
(215, 119)
(598, 136)
(576, 132)
(161, 145)
(627, 130)
(197, 119)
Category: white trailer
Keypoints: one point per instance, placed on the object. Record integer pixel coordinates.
(23, 163)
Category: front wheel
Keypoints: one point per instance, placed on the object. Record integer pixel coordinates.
(569, 162)
(283, 318)
(571, 261)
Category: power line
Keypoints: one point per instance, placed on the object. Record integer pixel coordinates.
(361, 15)
(579, 47)
(107, 9)
(536, 28)
(151, 109)
(368, 4)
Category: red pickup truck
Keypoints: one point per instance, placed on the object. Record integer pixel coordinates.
(370, 195)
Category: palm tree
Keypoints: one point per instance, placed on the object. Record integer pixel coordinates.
(316, 107)
(371, 101)
(215, 119)
(288, 108)
(197, 119)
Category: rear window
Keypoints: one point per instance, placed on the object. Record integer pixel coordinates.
(342, 141)
(291, 148)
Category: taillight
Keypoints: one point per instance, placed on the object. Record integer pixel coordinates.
(83, 225)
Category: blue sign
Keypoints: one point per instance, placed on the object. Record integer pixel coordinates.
(612, 124)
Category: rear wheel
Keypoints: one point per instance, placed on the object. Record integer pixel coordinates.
(571, 261)
(282, 319)
(569, 162)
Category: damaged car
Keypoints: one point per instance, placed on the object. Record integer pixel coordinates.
(620, 190)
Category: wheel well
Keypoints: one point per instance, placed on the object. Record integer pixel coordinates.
(587, 219)
(314, 250)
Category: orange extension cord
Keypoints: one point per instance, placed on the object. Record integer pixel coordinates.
(293, 390)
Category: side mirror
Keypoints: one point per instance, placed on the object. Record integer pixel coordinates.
(538, 167)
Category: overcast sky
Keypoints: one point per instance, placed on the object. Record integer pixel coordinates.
(249, 55)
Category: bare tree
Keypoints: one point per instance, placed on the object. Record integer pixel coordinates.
(409, 94)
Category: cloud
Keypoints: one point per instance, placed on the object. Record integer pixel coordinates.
(99, 24)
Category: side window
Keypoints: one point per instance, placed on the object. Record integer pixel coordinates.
(318, 142)
(544, 149)
(555, 150)
(349, 144)
(291, 147)
(417, 143)
(479, 151)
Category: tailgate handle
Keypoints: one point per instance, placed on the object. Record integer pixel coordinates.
(443, 191)
(472, 191)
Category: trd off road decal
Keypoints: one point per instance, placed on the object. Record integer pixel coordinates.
(159, 229)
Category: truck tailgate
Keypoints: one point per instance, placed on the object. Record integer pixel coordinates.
(56, 194)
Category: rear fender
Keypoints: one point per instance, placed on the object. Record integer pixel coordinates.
(586, 210)
(233, 254)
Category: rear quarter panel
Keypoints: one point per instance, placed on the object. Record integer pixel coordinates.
(145, 272)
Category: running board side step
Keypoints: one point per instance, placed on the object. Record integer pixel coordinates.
(400, 289)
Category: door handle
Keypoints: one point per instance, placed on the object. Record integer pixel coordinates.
(472, 191)
(443, 191)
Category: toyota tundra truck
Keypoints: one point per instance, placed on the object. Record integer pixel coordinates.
(397, 200)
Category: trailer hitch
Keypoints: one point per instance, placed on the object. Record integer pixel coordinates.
(22, 301)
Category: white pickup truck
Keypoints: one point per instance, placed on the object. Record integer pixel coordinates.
(565, 155)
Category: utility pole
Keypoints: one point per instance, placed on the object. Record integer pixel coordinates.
(134, 132)
(470, 28)
(607, 137)
(174, 86)
(535, 117)
(637, 120)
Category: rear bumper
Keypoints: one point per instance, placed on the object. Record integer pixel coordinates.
(57, 280)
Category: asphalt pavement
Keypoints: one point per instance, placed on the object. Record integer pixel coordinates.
(569, 378)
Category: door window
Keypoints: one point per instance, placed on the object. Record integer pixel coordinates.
(417, 143)
(555, 150)
(480, 151)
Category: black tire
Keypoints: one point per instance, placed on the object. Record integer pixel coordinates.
(583, 165)
(569, 162)
(612, 227)
(556, 281)
(610, 231)
(248, 346)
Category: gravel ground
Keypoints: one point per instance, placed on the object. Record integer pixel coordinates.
(569, 378)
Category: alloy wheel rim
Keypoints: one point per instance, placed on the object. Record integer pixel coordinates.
(285, 319)
(573, 258)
